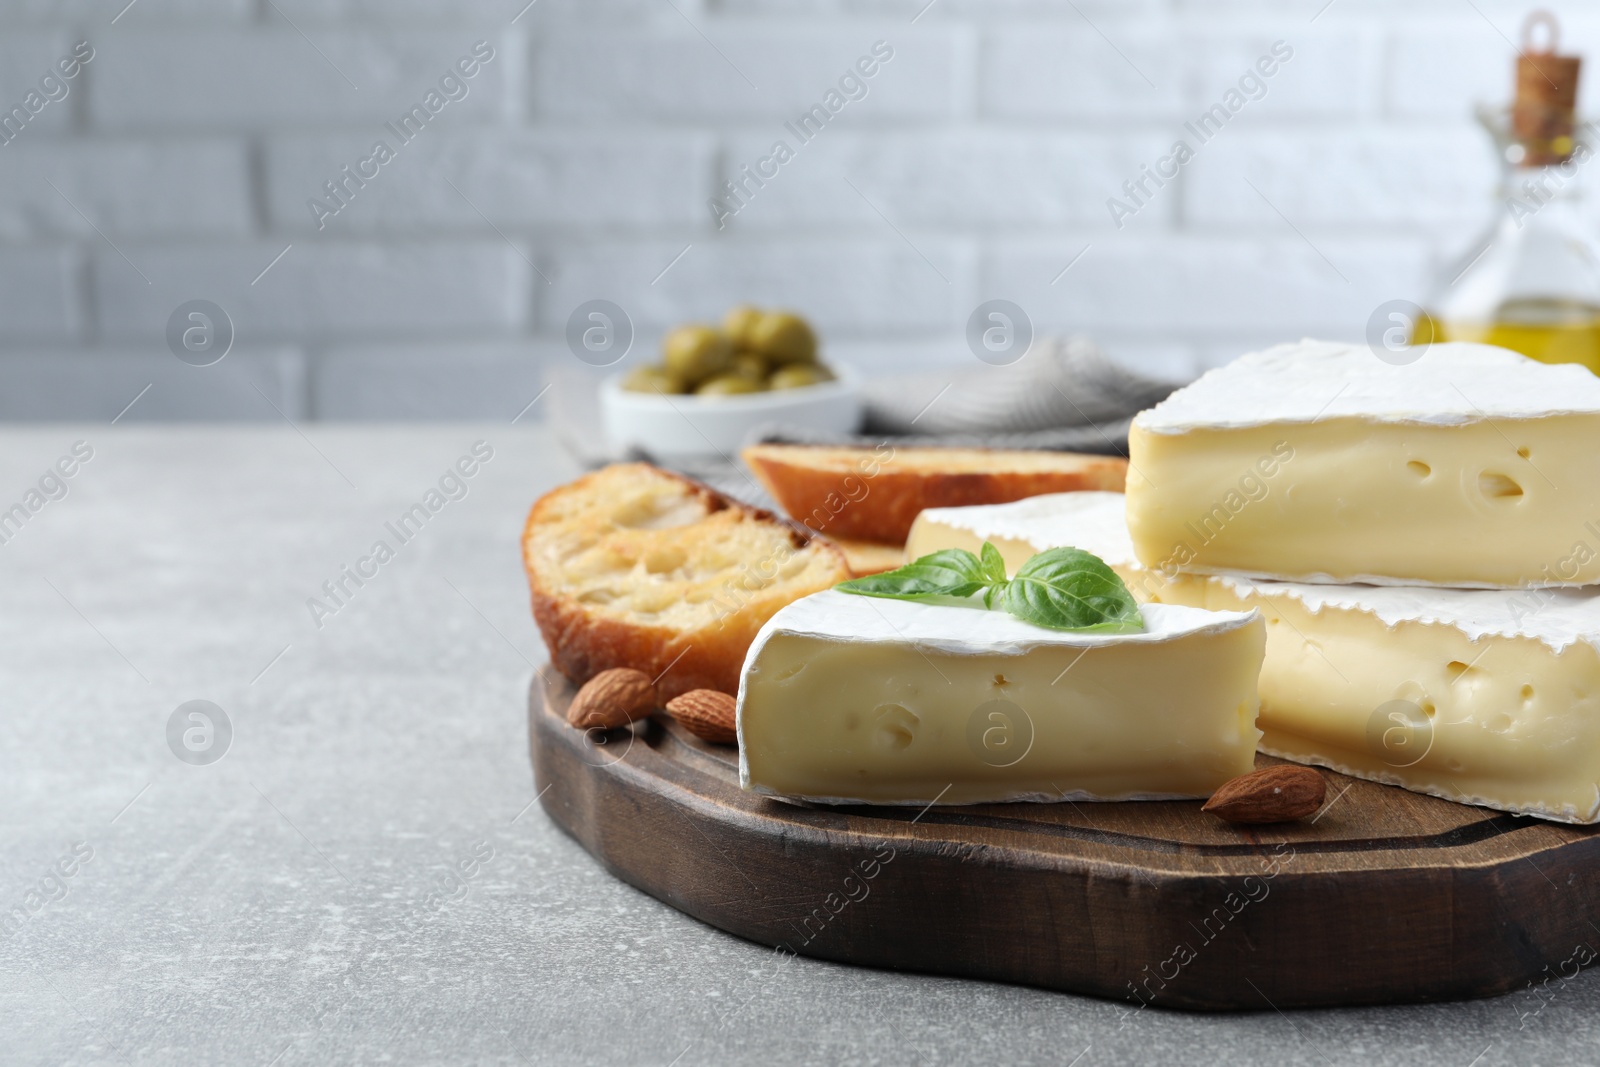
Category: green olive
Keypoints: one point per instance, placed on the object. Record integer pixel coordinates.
(729, 385)
(784, 337)
(799, 376)
(695, 353)
(750, 365)
(739, 323)
(652, 380)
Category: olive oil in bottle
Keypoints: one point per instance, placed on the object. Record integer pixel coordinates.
(1531, 283)
(1549, 330)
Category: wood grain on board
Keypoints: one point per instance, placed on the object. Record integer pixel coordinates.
(1390, 896)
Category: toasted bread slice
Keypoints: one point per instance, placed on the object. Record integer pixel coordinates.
(870, 557)
(633, 566)
(874, 494)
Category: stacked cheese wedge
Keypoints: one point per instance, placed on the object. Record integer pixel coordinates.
(1423, 539)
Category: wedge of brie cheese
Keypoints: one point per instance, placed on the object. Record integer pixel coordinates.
(1487, 697)
(850, 698)
(1471, 466)
(1029, 526)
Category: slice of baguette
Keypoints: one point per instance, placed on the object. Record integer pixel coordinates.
(874, 494)
(633, 566)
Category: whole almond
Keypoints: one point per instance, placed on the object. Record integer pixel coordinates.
(706, 713)
(1272, 794)
(612, 698)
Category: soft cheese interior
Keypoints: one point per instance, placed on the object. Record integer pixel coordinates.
(1471, 466)
(1486, 697)
(848, 698)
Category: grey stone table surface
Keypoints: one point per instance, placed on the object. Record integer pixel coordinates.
(363, 877)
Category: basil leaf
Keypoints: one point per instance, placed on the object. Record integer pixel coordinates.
(952, 572)
(994, 568)
(1060, 589)
(1070, 589)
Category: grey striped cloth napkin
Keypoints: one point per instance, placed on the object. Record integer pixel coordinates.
(1064, 395)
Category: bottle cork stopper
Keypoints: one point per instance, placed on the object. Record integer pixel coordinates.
(1546, 97)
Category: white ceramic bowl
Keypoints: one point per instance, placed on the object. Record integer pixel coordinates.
(705, 427)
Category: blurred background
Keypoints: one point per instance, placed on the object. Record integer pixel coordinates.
(584, 158)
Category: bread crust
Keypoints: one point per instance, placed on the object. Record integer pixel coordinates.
(882, 506)
(582, 642)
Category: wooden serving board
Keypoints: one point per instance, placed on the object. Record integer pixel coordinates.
(1389, 896)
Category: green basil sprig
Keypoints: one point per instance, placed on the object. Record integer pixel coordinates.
(1059, 589)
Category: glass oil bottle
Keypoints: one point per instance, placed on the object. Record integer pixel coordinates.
(1531, 283)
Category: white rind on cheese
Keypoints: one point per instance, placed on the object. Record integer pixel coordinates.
(1512, 677)
(853, 699)
(1556, 618)
(1092, 516)
(1312, 381)
(1095, 522)
(969, 631)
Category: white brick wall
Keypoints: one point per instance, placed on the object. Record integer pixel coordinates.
(582, 160)
(552, 179)
(142, 187)
(338, 291)
(44, 295)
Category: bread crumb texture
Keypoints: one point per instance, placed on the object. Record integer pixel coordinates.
(634, 561)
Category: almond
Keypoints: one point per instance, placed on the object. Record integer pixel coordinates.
(1272, 794)
(612, 698)
(706, 713)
